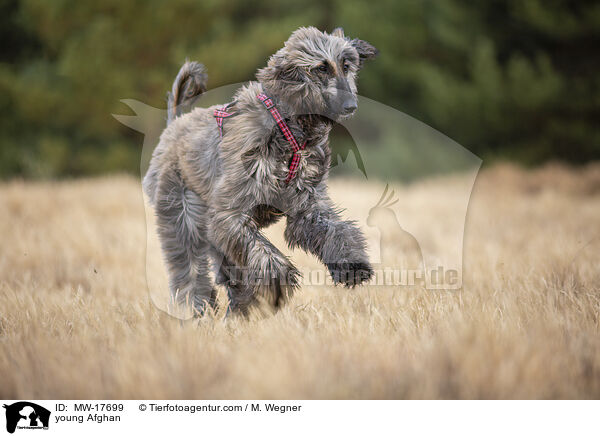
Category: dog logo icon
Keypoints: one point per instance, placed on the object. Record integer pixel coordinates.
(26, 415)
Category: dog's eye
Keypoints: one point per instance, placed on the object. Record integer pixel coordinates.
(323, 68)
(346, 68)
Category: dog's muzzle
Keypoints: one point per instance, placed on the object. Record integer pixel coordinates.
(349, 106)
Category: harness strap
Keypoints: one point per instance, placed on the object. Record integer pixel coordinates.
(296, 148)
(220, 114)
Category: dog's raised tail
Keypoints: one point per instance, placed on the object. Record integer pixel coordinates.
(189, 84)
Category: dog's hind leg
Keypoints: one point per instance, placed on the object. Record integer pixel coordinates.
(181, 219)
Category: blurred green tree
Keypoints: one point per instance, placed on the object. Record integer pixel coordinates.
(505, 78)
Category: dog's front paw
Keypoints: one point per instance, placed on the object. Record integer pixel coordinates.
(287, 277)
(275, 280)
(350, 274)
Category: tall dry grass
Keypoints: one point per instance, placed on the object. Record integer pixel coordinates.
(76, 320)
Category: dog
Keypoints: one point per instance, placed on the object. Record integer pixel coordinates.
(220, 174)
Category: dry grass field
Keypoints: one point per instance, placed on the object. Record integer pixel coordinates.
(76, 320)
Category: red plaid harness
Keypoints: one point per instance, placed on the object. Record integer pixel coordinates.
(221, 113)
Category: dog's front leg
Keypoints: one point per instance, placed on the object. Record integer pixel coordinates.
(339, 244)
(260, 267)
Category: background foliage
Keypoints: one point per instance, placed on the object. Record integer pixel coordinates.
(505, 78)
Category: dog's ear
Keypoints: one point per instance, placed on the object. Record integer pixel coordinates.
(280, 69)
(288, 72)
(364, 49)
(338, 31)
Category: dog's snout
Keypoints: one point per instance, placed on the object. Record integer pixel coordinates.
(349, 106)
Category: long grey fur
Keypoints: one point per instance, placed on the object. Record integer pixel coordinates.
(212, 195)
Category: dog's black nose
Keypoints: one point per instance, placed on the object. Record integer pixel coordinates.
(349, 106)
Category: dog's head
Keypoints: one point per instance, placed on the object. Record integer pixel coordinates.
(315, 72)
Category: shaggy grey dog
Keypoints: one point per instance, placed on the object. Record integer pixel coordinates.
(213, 190)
